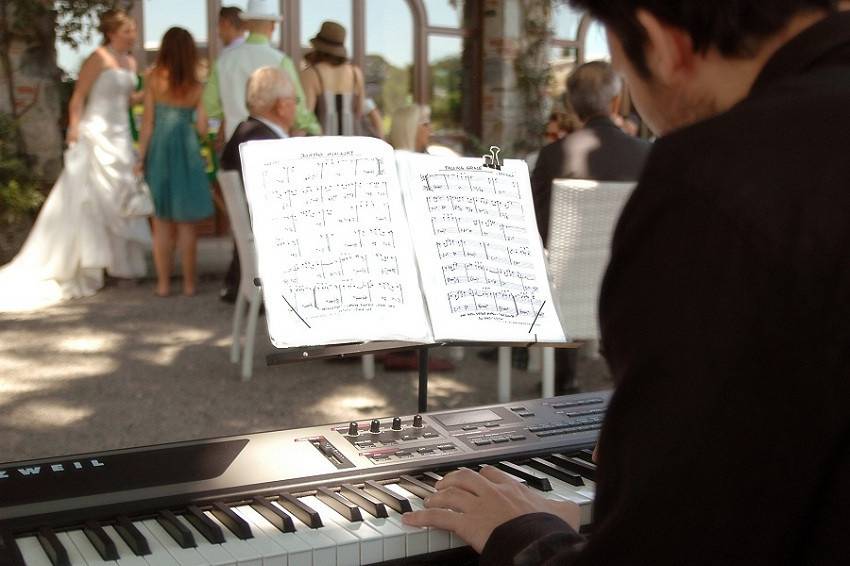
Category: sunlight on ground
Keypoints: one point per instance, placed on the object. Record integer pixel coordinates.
(59, 370)
(351, 402)
(100, 343)
(163, 356)
(445, 385)
(185, 334)
(45, 415)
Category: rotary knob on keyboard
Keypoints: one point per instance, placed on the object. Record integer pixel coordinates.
(375, 427)
(353, 429)
(417, 421)
(396, 423)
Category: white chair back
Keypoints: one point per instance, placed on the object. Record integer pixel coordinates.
(581, 225)
(240, 224)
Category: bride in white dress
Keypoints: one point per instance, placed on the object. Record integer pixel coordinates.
(80, 231)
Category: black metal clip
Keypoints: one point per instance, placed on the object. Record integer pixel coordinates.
(491, 160)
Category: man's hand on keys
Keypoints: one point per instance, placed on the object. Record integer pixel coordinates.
(472, 505)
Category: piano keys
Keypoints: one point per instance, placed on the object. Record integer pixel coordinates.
(338, 517)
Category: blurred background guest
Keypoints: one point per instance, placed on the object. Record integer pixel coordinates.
(81, 230)
(173, 118)
(410, 129)
(372, 121)
(333, 86)
(231, 30)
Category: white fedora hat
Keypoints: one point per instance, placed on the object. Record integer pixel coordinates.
(262, 10)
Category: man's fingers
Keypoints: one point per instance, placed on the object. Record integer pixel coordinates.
(439, 518)
(496, 475)
(452, 498)
(466, 480)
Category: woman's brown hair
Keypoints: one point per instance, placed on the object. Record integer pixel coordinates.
(111, 21)
(178, 56)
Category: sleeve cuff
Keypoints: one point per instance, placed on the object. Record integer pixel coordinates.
(511, 538)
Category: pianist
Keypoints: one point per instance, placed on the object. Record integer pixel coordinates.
(725, 311)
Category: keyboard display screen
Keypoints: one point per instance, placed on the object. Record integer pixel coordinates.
(468, 417)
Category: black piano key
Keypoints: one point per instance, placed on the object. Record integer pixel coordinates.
(10, 553)
(101, 542)
(301, 510)
(132, 536)
(228, 517)
(586, 469)
(388, 496)
(537, 481)
(339, 504)
(431, 478)
(359, 497)
(416, 487)
(556, 471)
(586, 454)
(53, 548)
(176, 530)
(206, 526)
(273, 515)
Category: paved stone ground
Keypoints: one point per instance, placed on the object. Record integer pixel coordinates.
(125, 368)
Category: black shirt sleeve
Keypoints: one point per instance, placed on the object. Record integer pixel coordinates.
(536, 539)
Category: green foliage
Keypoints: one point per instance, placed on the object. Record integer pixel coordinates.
(446, 93)
(19, 194)
(75, 20)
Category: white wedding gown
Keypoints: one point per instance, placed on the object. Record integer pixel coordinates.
(80, 231)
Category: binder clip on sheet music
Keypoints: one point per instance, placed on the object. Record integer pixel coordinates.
(358, 243)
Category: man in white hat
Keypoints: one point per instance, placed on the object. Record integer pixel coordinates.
(224, 95)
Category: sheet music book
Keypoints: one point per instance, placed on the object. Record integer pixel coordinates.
(356, 242)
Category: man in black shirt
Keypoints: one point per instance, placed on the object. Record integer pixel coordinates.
(725, 311)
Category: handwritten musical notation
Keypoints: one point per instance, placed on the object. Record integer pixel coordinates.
(335, 239)
(479, 224)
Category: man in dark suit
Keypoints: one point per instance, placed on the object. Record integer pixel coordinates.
(599, 150)
(271, 103)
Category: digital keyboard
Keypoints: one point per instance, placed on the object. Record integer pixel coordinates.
(324, 495)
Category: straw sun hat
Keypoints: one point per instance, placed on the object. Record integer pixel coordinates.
(330, 40)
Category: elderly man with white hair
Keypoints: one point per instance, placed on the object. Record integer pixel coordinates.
(271, 100)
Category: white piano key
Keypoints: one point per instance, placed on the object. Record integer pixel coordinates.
(85, 548)
(32, 552)
(183, 556)
(416, 538)
(371, 542)
(395, 539)
(74, 556)
(438, 539)
(159, 555)
(244, 553)
(324, 548)
(418, 504)
(347, 545)
(271, 553)
(298, 552)
(126, 557)
(570, 493)
(214, 554)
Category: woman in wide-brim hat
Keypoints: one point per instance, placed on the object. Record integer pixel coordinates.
(333, 86)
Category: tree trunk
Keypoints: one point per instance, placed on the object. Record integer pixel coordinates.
(29, 83)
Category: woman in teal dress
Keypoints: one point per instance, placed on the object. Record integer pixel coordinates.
(171, 154)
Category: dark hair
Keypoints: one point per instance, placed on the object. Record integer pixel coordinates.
(179, 57)
(111, 21)
(315, 57)
(231, 15)
(734, 27)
